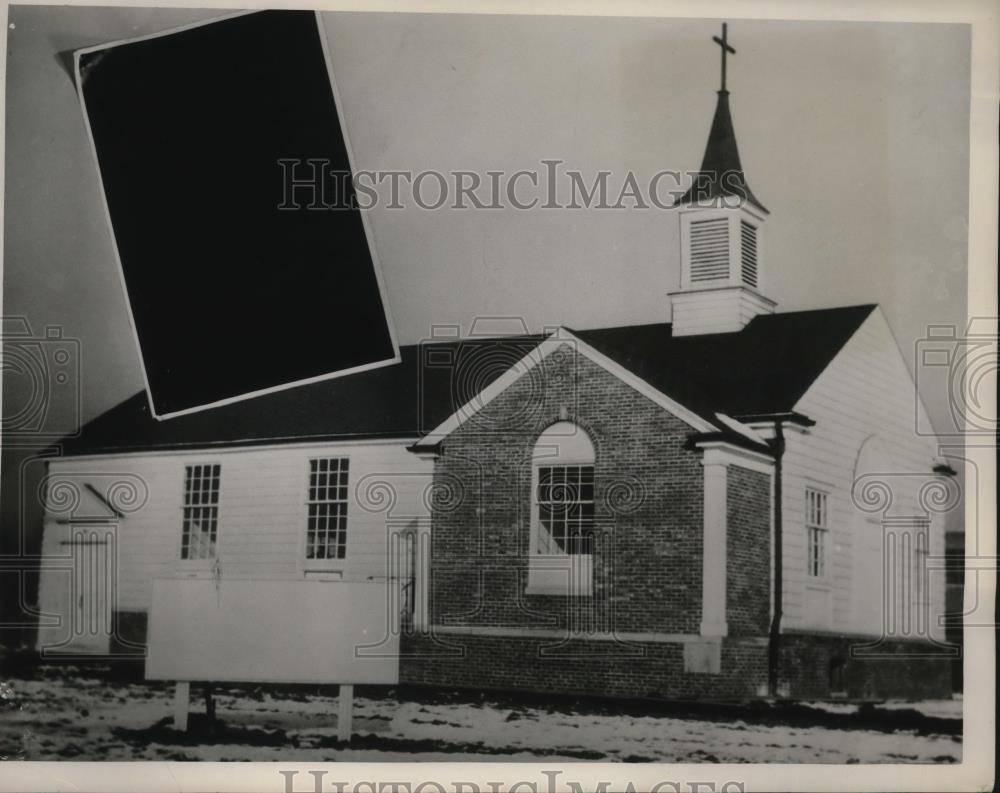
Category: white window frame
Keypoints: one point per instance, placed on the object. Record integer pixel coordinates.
(563, 445)
(817, 525)
(313, 499)
(189, 502)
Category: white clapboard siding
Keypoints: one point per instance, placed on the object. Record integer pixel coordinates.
(262, 512)
(715, 310)
(866, 391)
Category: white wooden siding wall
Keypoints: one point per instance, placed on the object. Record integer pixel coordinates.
(715, 310)
(262, 512)
(866, 391)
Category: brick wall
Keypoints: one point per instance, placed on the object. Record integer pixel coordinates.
(647, 564)
(748, 551)
(588, 668)
(130, 633)
(899, 671)
(656, 670)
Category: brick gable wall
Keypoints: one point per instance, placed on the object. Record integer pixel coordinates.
(648, 559)
(647, 564)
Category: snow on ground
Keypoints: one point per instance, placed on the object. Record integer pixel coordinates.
(58, 714)
(944, 708)
(941, 708)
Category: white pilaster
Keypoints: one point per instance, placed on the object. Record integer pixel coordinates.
(713, 577)
(717, 456)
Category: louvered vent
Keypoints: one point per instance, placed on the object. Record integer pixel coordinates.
(748, 233)
(709, 250)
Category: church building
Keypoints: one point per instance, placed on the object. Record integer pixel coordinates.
(730, 504)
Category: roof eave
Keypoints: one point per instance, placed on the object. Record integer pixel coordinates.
(689, 199)
(785, 417)
(696, 440)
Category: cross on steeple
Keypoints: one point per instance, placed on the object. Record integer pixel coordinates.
(725, 48)
(721, 173)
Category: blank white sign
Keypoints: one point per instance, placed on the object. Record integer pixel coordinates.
(273, 631)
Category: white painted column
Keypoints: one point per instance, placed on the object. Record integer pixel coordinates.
(422, 572)
(182, 698)
(345, 715)
(713, 579)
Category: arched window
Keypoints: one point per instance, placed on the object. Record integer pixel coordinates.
(562, 511)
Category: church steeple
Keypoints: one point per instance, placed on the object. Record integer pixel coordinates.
(720, 279)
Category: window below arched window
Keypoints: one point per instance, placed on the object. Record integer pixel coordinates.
(562, 512)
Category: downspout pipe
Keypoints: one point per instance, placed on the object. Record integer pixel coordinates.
(774, 637)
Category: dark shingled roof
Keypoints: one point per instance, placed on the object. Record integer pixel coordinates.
(721, 171)
(764, 368)
(403, 400)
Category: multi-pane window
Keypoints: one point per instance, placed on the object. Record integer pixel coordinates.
(201, 511)
(566, 509)
(817, 528)
(326, 536)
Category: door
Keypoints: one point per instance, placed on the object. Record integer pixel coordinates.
(86, 572)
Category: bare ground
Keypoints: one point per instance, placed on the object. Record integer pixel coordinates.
(62, 712)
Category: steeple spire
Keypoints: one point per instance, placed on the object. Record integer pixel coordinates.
(721, 172)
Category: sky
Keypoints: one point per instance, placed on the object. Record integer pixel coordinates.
(854, 135)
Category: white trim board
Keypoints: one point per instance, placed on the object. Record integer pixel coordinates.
(568, 635)
(743, 429)
(725, 453)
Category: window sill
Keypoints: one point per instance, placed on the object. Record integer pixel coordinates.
(328, 563)
(562, 575)
(327, 573)
(202, 568)
(557, 591)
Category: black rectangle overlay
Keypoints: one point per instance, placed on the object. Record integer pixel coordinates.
(229, 293)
